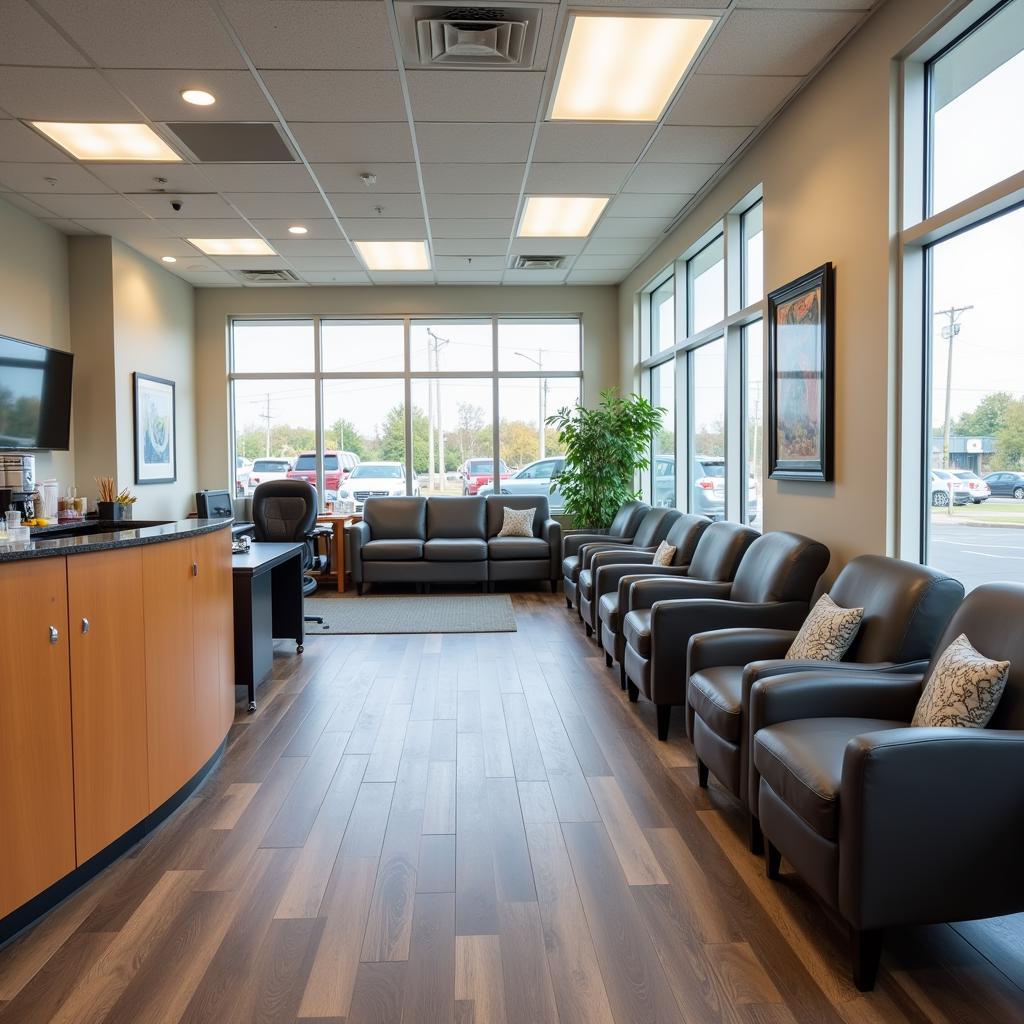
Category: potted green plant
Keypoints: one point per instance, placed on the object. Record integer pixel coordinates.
(605, 448)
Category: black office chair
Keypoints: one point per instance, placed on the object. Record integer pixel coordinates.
(285, 513)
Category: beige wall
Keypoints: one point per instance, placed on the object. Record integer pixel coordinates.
(826, 169)
(34, 301)
(597, 305)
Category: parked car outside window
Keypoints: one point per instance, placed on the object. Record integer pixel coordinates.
(476, 473)
(337, 467)
(947, 486)
(536, 478)
(979, 490)
(267, 469)
(1006, 484)
(375, 479)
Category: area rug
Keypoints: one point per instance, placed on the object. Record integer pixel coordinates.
(399, 613)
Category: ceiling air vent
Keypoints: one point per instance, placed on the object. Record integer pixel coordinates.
(269, 276)
(539, 262)
(439, 35)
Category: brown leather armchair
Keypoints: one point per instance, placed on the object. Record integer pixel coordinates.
(650, 533)
(623, 527)
(716, 558)
(893, 825)
(683, 535)
(773, 588)
(906, 607)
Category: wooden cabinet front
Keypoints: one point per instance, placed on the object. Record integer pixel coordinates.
(108, 696)
(37, 818)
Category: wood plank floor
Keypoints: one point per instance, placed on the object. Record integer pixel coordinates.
(469, 829)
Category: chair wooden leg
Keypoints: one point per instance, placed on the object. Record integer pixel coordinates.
(755, 838)
(633, 690)
(866, 954)
(664, 714)
(702, 774)
(772, 860)
(608, 659)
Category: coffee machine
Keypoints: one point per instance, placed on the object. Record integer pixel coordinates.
(17, 483)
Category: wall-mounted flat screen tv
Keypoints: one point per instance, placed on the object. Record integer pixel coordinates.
(35, 397)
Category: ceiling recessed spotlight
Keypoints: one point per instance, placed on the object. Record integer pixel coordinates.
(394, 255)
(168, 259)
(199, 97)
(108, 142)
(560, 216)
(623, 68)
(298, 229)
(233, 246)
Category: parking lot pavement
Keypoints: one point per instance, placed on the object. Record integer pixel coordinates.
(977, 554)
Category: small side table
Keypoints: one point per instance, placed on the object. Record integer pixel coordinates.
(338, 521)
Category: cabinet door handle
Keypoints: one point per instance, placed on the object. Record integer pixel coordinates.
(54, 635)
(85, 626)
(195, 568)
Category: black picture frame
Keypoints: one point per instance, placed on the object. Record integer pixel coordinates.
(155, 429)
(801, 376)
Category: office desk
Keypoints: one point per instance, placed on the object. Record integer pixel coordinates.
(267, 591)
(339, 521)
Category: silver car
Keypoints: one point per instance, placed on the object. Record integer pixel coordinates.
(535, 478)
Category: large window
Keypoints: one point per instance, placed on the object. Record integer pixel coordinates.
(705, 286)
(707, 429)
(753, 440)
(966, 430)
(426, 401)
(662, 308)
(663, 444)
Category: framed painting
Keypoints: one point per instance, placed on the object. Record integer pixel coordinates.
(801, 389)
(156, 456)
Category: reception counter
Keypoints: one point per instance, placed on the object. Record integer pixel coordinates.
(116, 694)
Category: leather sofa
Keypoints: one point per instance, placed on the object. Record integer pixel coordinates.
(451, 540)
(892, 825)
(623, 527)
(773, 588)
(716, 557)
(906, 607)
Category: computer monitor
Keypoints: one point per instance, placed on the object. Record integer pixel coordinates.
(214, 505)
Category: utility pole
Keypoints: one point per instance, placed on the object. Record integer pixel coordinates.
(542, 399)
(434, 401)
(266, 417)
(949, 332)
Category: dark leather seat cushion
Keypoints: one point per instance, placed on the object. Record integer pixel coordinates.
(392, 550)
(571, 567)
(716, 695)
(637, 631)
(454, 518)
(803, 762)
(508, 548)
(586, 582)
(445, 549)
(609, 610)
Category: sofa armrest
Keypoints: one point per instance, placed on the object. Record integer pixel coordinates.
(358, 534)
(764, 668)
(573, 540)
(932, 828)
(648, 590)
(551, 531)
(738, 646)
(588, 551)
(621, 556)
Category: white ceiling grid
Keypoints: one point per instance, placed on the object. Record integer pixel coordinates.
(455, 152)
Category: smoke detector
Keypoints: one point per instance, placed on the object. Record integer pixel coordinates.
(264, 276)
(539, 262)
(439, 35)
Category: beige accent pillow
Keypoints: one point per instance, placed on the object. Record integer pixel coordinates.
(964, 689)
(518, 522)
(827, 632)
(665, 553)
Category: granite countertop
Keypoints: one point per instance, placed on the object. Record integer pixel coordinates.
(104, 535)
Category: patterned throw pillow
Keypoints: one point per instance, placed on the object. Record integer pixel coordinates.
(518, 522)
(963, 690)
(827, 632)
(665, 553)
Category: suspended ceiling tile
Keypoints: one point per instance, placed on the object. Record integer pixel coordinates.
(609, 261)
(143, 177)
(547, 246)
(78, 206)
(23, 203)
(576, 179)
(730, 99)
(617, 246)
(355, 204)
(695, 145)
(591, 143)
(402, 277)
(469, 276)
(316, 254)
(317, 229)
(445, 142)
(217, 279)
(28, 38)
(185, 254)
(194, 227)
(157, 92)
(484, 227)
(470, 264)
(67, 227)
(699, 5)
(481, 96)
(592, 277)
(652, 177)
(534, 276)
(820, 5)
(337, 95)
(251, 262)
(276, 204)
(147, 33)
(385, 228)
(21, 144)
(342, 260)
(63, 178)
(305, 34)
(631, 227)
(192, 205)
(345, 178)
(346, 143)
(334, 277)
(456, 179)
(260, 177)
(647, 205)
(127, 230)
(472, 206)
(470, 246)
(62, 94)
(770, 42)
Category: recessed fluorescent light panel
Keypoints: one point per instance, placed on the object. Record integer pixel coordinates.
(560, 216)
(394, 255)
(108, 142)
(624, 68)
(233, 246)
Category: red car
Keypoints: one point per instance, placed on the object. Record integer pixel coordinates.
(476, 473)
(337, 466)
